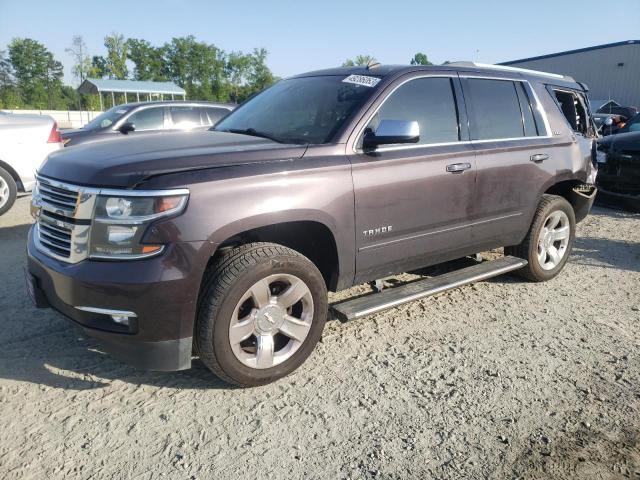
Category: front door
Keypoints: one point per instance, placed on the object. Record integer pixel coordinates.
(412, 202)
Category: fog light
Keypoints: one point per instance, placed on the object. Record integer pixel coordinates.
(121, 319)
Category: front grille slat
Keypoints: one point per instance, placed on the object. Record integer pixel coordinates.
(64, 217)
(63, 237)
(59, 192)
(57, 239)
(58, 197)
(64, 252)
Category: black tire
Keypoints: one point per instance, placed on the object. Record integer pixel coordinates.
(528, 249)
(225, 283)
(10, 191)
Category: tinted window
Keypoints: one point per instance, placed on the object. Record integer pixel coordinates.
(633, 125)
(148, 119)
(430, 102)
(212, 115)
(494, 109)
(300, 110)
(530, 129)
(107, 118)
(185, 116)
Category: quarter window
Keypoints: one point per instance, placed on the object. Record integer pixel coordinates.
(430, 102)
(497, 111)
(148, 119)
(212, 115)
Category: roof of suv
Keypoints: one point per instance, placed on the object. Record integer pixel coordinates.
(178, 102)
(388, 70)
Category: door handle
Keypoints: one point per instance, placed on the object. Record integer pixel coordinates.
(458, 167)
(538, 157)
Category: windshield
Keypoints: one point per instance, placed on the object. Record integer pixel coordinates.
(107, 118)
(307, 110)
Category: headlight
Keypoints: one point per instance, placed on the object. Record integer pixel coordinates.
(121, 221)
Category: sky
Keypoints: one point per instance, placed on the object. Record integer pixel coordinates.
(309, 35)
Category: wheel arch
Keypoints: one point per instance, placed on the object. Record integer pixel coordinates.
(11, 171)
(306, 234)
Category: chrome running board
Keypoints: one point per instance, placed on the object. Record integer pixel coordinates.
(377, 302)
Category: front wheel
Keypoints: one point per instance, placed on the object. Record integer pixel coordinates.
(549, 241)
(262, 310)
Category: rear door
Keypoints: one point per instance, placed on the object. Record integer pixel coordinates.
(513, 148)
(410, 210)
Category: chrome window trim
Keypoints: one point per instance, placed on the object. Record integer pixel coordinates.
(526, 82)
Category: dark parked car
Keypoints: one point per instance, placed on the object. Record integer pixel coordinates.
(224, 243)
(148, 117)
(619, 170)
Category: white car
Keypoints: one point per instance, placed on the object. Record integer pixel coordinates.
(25, 141)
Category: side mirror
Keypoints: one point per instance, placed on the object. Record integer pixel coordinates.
(609, 121)
(392, 131)
(126, 127)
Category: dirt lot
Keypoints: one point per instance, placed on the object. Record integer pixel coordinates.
(503, 379)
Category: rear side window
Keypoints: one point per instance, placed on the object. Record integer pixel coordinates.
(496, 111)
(430, 102)
(185, 116)
(572, 108)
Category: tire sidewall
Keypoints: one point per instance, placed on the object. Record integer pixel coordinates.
(305, 271)
(556, 204)
(13, 191)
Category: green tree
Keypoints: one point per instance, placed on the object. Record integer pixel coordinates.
(193, 65)
(38, 75)
(238, 66)
(259, 76)
(9, 93)
(148, 60)
(82, 61)
(99, 68)
(359, 61)
(117, 50)
(420, 59)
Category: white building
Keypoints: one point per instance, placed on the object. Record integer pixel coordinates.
(611, 71)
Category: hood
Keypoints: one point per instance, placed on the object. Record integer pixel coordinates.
(623, 142)
(127, 160)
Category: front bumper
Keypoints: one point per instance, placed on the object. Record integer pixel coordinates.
(162, 291)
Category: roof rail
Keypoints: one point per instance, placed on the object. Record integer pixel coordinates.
(506, 69)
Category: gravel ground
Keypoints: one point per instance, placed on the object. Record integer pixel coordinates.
(502, 379)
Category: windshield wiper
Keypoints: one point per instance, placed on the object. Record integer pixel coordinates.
(252, 132)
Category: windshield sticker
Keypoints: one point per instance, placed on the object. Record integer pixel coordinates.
(121, 111)
(362, 80)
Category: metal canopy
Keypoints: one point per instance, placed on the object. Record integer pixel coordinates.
(99, 85)
(137, 87)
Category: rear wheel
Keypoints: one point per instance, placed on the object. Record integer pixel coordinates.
(262, 310)
(8, 191)
(549, 241)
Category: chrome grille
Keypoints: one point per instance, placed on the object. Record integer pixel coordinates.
(54, 237)
(63, 219)
(62, 200)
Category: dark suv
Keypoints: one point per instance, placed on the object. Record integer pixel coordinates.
(145, 117)
(222, 244)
